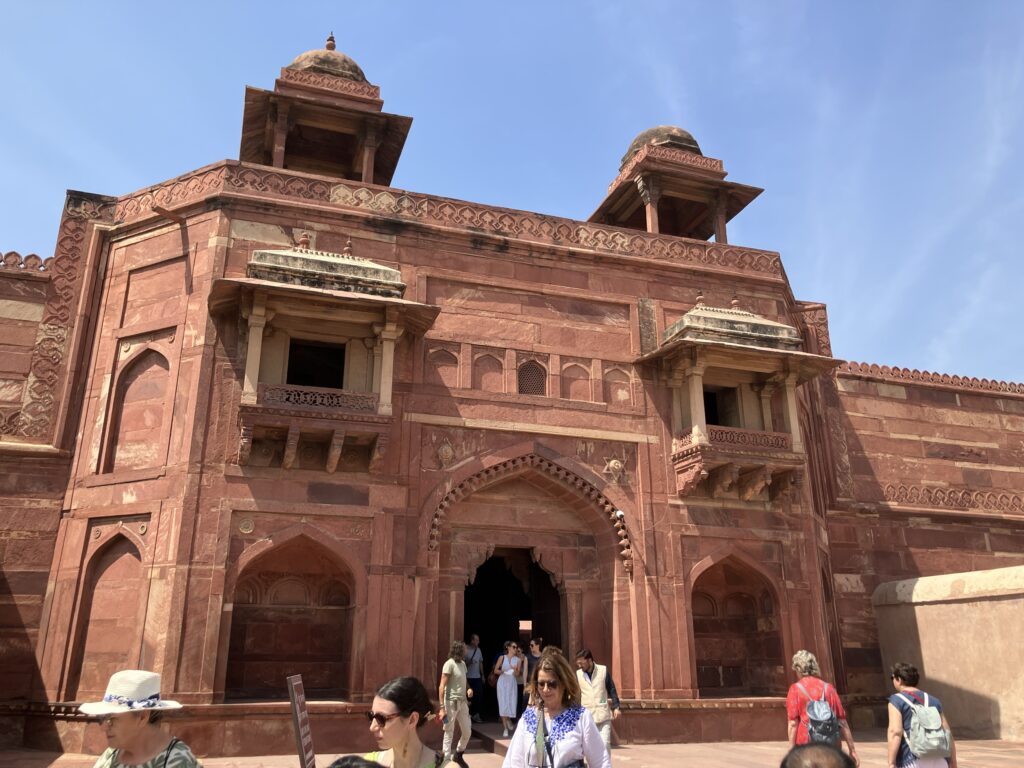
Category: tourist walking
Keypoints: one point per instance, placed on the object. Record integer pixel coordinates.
(556, 732)
(918, 738)
(509, 668)
(475, 677)
(597, 693)
(399, 710)
(531, 657)
(453, 694)
(130, 715)
(813, 708)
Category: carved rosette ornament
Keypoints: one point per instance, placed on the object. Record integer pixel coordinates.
(445, 454)
(532, 461)
(614, 469)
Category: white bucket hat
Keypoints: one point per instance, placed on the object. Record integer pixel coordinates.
(131, 690)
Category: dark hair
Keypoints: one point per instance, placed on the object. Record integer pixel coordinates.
(907, 673)
(585, 654)
(409, 695)
(817, 756)
(155, 717)
(510, 643)
(353, 761)
(538, 641)
(457, 650)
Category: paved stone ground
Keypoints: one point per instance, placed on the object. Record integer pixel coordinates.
(973, 754)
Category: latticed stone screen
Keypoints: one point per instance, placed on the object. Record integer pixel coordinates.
(533, 379)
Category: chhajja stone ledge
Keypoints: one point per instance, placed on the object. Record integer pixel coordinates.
(951, 587)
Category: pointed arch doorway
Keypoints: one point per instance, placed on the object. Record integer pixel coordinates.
(510, 598)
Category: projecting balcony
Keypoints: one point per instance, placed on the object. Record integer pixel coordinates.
(291, 426)
(725, 461)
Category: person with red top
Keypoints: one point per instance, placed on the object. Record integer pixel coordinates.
(810, 687)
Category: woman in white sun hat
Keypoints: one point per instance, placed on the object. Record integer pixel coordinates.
(130, 714)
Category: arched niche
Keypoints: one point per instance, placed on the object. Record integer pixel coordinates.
(575, 382)
(532, 378)
(137, 435)
(616, 386)
(110, 618)
(738, 648)
(442, 368)
(488, 374)
(293, 613)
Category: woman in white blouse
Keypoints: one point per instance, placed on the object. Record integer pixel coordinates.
(568, 737)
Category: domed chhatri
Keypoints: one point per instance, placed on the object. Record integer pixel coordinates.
(665, 135)
(329, 61)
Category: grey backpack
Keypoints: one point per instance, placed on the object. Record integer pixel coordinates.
(822, 723)
(926, 737)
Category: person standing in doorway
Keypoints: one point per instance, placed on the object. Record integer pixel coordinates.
(597, 694)
(475, 677)
(536, 646)
(452, 693)
(509, 670)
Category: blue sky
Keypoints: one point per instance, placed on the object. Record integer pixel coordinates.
(887, 135)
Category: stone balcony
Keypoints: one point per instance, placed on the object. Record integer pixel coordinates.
(312, 428)
(729, 461)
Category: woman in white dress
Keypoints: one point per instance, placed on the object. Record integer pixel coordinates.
(509, 669)
(567, 731)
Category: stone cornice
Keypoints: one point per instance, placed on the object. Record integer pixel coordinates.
(244, 179)
(668, 154)
(927, 378)
(13, 263)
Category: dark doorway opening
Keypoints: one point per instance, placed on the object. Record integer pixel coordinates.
(316, 364)
(511, 598)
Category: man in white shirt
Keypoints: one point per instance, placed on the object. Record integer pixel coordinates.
(475, 676)
(597, 694)
(452, 693)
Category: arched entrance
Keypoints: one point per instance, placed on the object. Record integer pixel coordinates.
(510, 598)
(736, 632)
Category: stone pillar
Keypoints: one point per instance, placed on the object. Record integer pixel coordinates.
(371, 140)
(721, 214)
(257, 322)
(572, 641)
(766, 406)
(280, 135)
(650, 193)
(792, 414)
(695, 382)
(388, 335)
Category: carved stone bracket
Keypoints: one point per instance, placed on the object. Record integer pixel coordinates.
(723, 479)
(689, 476)
(472, 556)
(380, 447)
(550, 561)
(291, 446)
(753, 483)
(785, 483)
(245, 444)
(334, 451)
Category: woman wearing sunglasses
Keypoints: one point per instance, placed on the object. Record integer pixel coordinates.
(557, 732)
(399, 710)
(509, 669)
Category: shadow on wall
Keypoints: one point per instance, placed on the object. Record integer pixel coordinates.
(962, 631)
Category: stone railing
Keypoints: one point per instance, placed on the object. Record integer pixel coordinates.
(749, 438)
(317, 398)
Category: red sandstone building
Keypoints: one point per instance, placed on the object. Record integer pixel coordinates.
(275, 416)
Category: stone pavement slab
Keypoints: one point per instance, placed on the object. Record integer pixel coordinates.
(973, 754)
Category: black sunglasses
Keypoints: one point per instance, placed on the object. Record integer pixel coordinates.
(552, 684)
(381, 720)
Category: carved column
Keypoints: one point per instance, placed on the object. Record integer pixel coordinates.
(280, 134)
(695, 382)
(721, 214)
(257, 322)
(650, 193)
(371, 140)
(765, 393)
(573, 628)
(388, 335)
(792, 417)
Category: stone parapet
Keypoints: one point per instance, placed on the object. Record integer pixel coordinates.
(914, 376)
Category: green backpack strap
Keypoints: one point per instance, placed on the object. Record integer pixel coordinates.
(539, 741)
